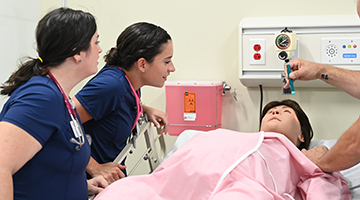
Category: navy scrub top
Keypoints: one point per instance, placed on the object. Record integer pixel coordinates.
(109, 100)
(57, 171)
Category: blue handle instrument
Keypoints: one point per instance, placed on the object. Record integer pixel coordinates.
(290, 80)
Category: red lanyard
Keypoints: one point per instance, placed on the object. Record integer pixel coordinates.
(137, 99)
(75, 125)
(66, 100)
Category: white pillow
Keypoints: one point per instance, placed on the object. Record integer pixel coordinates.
(183, 138)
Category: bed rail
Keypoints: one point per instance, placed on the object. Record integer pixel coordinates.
(151, 154)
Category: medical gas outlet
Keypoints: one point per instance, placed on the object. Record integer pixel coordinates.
(285, 44)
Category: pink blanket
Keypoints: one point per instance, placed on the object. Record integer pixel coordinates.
(224, 164)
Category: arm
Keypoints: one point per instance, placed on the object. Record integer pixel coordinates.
(345, 153)
(82, 112)
(110, 171)
(346, 80)
(17, 147)
(157, 117)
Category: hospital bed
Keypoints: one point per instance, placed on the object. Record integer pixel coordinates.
(208, 166)
(352, 175)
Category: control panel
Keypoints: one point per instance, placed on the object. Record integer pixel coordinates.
(343, 51)
(266, 43)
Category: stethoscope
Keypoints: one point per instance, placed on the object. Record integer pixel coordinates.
(138, 101)
(74, 123)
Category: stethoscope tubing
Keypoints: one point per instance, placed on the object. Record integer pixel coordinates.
(75, 125)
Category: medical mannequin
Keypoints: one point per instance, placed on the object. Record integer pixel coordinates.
(281, 116)
(109, 104)
(42, 155)
(225, 164)
(346, 152)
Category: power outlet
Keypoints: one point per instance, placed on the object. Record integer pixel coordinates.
(257, 51)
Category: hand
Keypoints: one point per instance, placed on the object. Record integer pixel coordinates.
(315, 153)
(158, 118)
(96, 185)
(110, 171)
(302, 70)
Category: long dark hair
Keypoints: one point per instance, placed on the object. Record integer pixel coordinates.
(139, 40)
(60, 34)
(306, 128)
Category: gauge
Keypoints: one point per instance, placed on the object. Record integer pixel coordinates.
(282, 41)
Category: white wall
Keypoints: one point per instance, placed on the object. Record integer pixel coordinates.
(205, 48)
(18, 19)
(205, 41)
(205, 36)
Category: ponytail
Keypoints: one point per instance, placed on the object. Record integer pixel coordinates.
(111, 57)
(32, 67)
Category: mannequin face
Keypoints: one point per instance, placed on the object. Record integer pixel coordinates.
(282, 119)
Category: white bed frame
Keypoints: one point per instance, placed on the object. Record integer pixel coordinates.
(152, 154)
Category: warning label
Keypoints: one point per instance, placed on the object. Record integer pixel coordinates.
(189, 106)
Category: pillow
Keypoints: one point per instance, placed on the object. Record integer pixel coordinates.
(183, 138)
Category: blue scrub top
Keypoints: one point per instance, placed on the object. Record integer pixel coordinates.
(57, 171)
(109, 100)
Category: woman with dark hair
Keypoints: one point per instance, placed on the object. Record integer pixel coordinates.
(43, 150)
(290, 110)
(109, 104)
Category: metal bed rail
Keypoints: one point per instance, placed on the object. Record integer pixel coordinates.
(151, 154)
